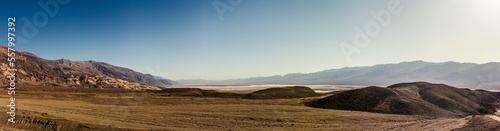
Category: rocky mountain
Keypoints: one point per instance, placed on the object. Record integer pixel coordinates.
(33, 70)
(419, 98)
(470, 75)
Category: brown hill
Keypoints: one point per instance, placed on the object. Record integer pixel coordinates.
(419, 98)
(494, 94)
(270, 93)
(196, 92)
(33, 70)
(282, 93)
(187, 92)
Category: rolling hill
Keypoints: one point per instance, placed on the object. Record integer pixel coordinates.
(419, 98)
(282, 93)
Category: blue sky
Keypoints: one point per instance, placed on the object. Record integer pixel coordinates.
(186, 39)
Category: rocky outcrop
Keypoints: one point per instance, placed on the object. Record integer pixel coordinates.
(101, 81)
(100, 68)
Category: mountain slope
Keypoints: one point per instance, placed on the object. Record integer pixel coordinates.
(419, 98)
(33, 70)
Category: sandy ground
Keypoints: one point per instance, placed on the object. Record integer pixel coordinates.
(148, 111)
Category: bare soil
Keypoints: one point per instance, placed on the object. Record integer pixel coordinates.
(51, 108)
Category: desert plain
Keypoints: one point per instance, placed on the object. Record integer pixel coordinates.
(63, 108)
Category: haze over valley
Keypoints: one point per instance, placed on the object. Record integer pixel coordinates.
(466, 75)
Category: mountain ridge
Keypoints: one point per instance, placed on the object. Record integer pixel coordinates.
(33, 70)
(460, 74)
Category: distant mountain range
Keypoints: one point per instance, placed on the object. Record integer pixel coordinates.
(470, 75)
(33, 70)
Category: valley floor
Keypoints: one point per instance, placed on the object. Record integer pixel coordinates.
(74, 110)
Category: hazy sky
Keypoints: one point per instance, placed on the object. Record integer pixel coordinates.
(186, 39)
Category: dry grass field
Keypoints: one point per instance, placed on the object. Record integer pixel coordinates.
(57, 108)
